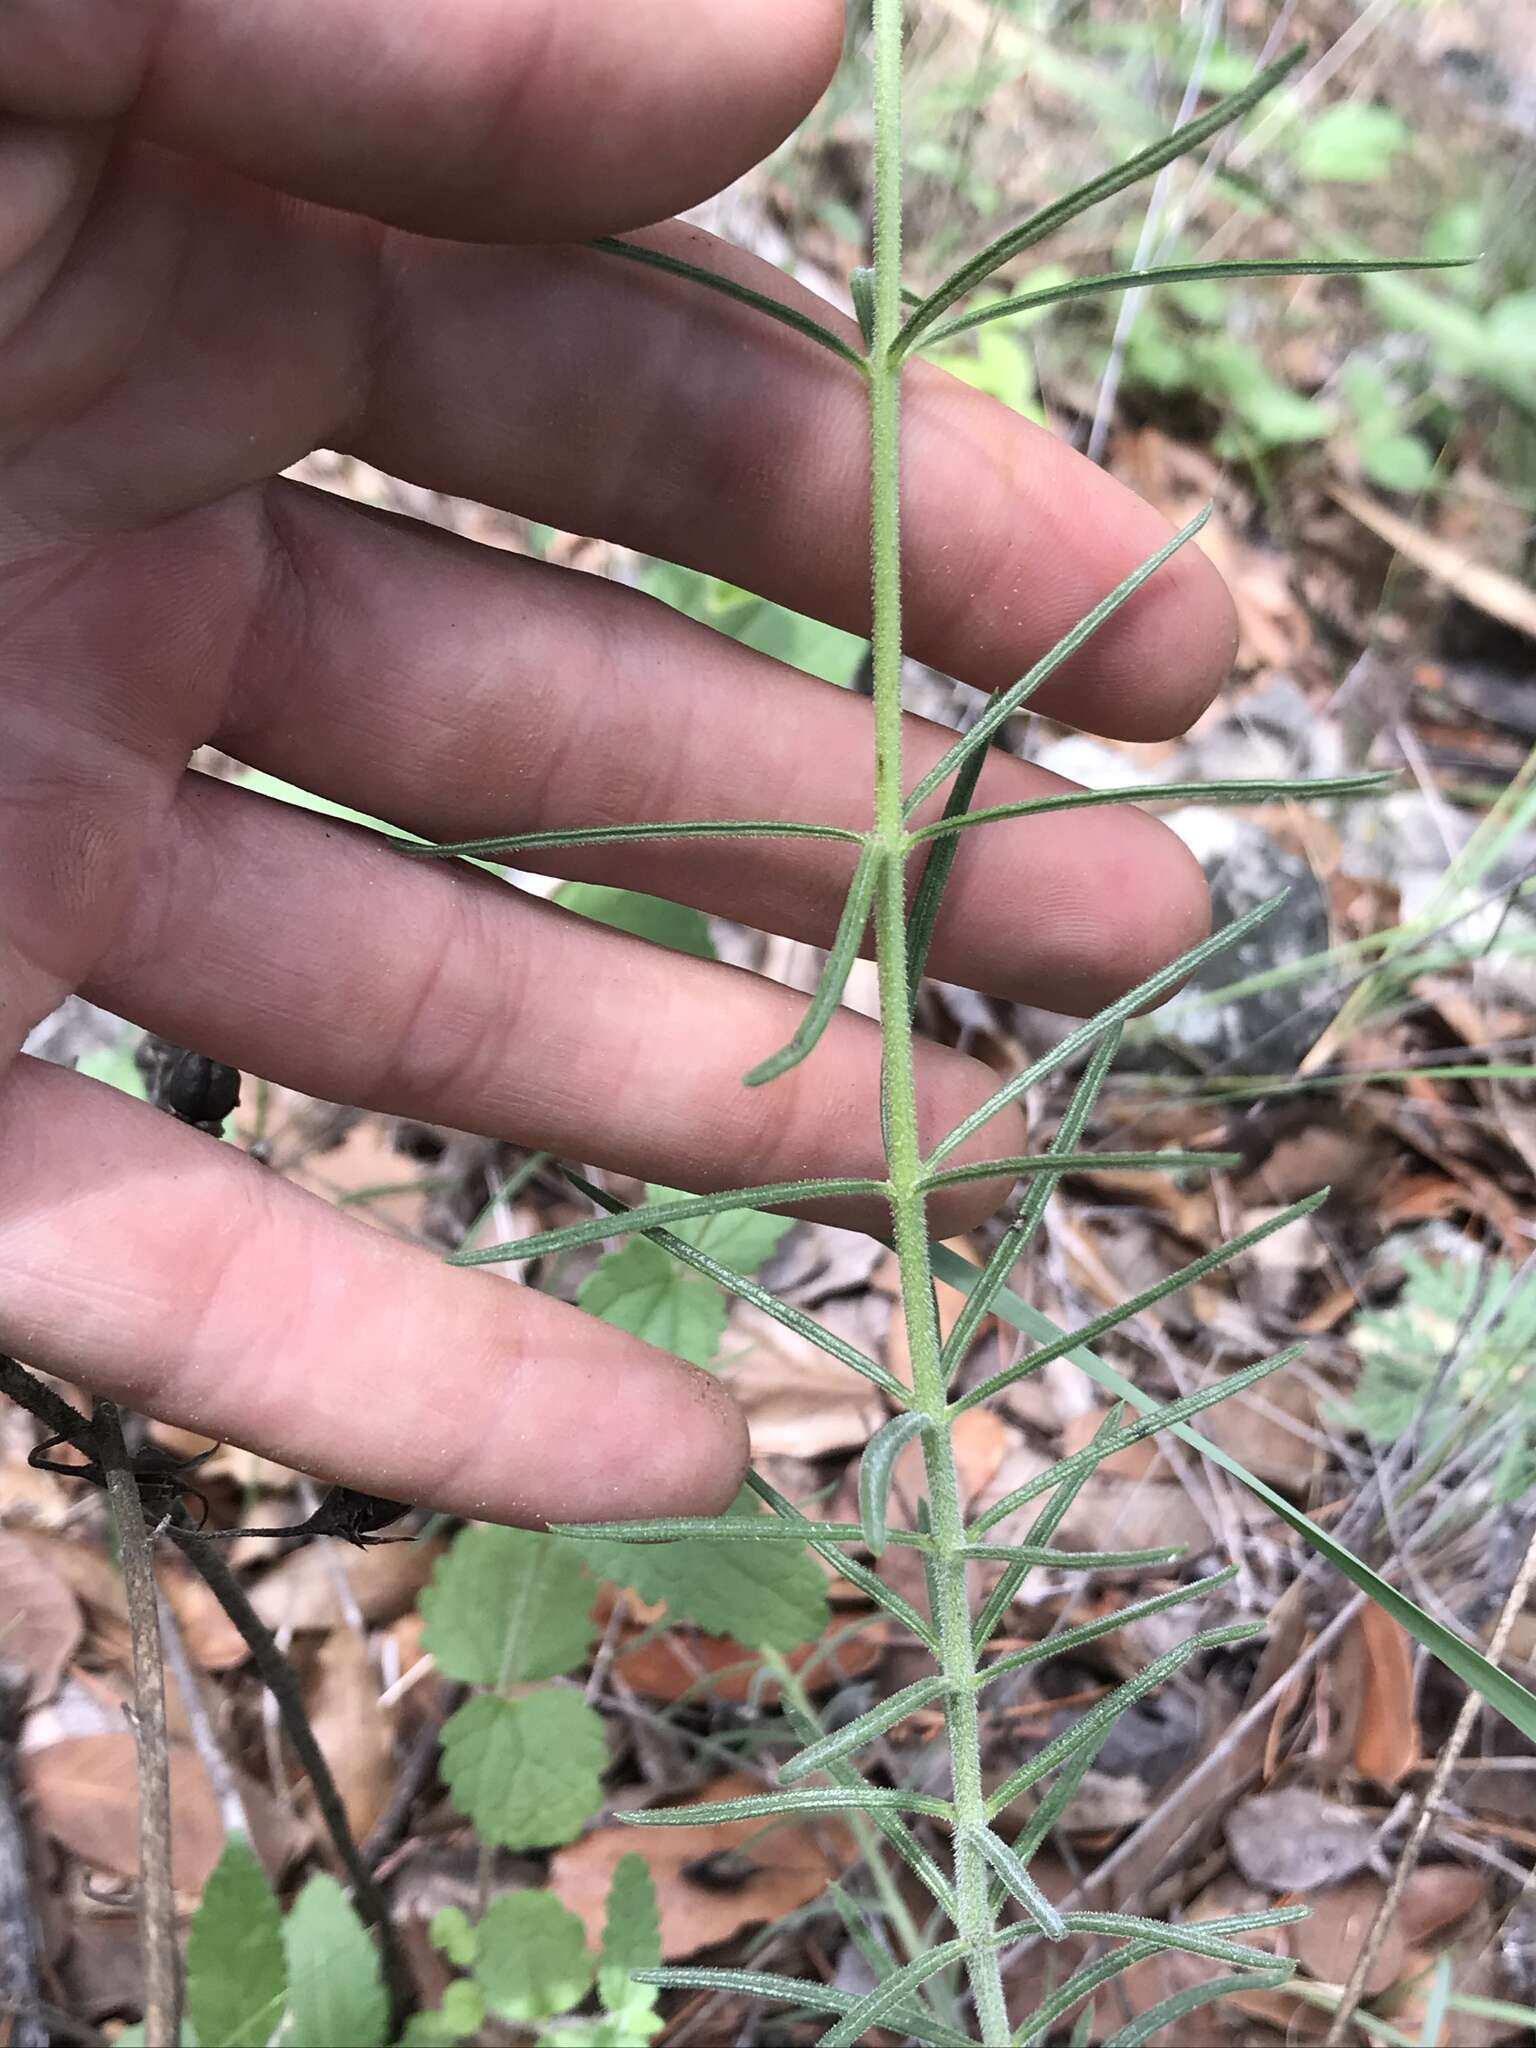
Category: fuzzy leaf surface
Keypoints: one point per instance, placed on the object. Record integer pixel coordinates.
(527, 1772)
(533, 1960)
(335, 1985)
(506, 1606)
(237, 1968)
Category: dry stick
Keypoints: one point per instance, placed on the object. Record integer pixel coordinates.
(18, 1925)
(277, 1675)
(157, 1900)
(1414, 1846)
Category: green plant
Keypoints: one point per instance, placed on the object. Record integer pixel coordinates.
(988, 1877)
(1452, 1358)
(528, 1964)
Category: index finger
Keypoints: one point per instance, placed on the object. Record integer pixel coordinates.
(524, 119)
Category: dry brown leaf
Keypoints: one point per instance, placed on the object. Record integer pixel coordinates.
(1329, 1941)
(1387, 1744)
(1253, 1427)
(85, 1793)
(1295, 1840)
(1436, 1896)
(211, 1636)
(40, 1620)
(710, 1880)
(668, 1665)
(798, 1402)
(355, 1733)
(303, 1591)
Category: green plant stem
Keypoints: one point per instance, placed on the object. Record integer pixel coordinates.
(974, 1919)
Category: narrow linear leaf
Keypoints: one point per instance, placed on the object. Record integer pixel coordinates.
(1183, 2003)
(1237, 791)
(1033, 1554)
(822, 1007)
(1185, 273)
(764, 1984)
(741, 1284)
(1011, 1246)
(876, 1469)
(1071, 1639)
(619, 835)
(812, 1799)
(1144, 164)
(1056, 1163)
(1504, 1694)
(728, 1529)
(881, 1964)
(1098, 1717)
(1081, 1984)
(928, 899)
(1041, 1530)
(1195, 1939)
(787, 316)
(869, 1583)
(1210, 1262)
(1002, 708)
(861, 289)
(659, 1215)
(1115, 1440)
(843, 1741)
(1010, 1868)
(886, 1998)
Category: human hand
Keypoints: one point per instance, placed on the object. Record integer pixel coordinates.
(230, 235)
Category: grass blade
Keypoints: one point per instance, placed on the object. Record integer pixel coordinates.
(1262, 789)
(1209, 1262)
(787, 316)
(753, 1291)
(1504, 1694)
(657, 1215)
(1113, 1014)
(876, 1468)
(842, 1742)
(1144, 164)
(822, 1008)
(1002, 708)
(1186, 273)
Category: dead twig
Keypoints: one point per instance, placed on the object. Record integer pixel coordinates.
(157, 1900)
(1413, 1848)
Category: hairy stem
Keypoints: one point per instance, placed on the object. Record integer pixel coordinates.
(157, 1899)
(975, 1922)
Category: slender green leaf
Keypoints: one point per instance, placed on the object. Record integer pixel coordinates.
(876, 1469)
(1504, 1694)
(237, 1968)
(764, 1984)
(1089, 1725)
(1053, 1164)
(861, 289)
(809, 1799)
(1081, 1984)
(1075, 1340)
(1183, 2003)
(1033, 1554)
(335, 1985)
(1144, 164)
(1071, 1639)
(1113, 1014)
(854, 1734)
(506, 1606)
(1011, 1869)
(1003, 707)
(822, 1007)
(500, 846)
(890, 1996)
(775, 309)
(692, 1254)
(659, 1215)
(1041, 1530)
(928, 898)
(766, 1595)
(1206, 1938)
(727, 1529)
(872, 1586)
(1137, 1432)
(1011, 1246)
(1184, 273)
(1255, 790)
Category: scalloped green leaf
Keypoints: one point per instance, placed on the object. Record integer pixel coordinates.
(237, 1967)
(506, 1606)
(533, 1960)
(335, 1985)
(527, 1772)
